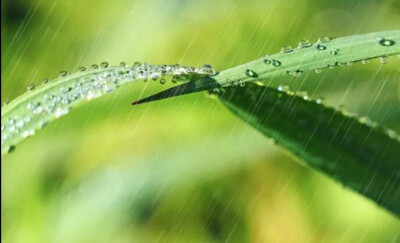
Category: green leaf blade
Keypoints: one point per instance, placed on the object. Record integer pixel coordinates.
(359, 154)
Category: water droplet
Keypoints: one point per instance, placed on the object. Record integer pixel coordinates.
(91, 94)
(391, 133)
(320, 47)
(10, 121)
(6, 102)
(283, 88)
(303, 94)
(60, 112)
(137, 64)
(365, 61)
(276, 63)
(304, 43)
(386, 42)
(81, 69)
(267, 61)
(318, 71)
(319, 100)
(241, 83)
(19, 123)
(162, 81)
(122, 64)
(62, 73)
(215, 91)
(334, 51)
(251, 73)
(28, 133)
(286, 49)
(31, 87)
(349, 64)
(94, 66)
(155, 76)
(46, 80)
(383, 59)
(297, 73)
(38, 110)
(104, 64)
(324, 39)
(10, 149)
(207, 69)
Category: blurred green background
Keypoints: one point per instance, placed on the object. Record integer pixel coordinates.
(183, 169)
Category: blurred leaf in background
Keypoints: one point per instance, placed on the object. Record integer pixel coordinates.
(184, 169)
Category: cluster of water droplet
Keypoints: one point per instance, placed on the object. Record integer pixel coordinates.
(57, 100)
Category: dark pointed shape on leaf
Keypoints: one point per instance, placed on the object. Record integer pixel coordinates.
(186, 88)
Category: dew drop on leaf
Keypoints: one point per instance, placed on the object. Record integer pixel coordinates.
(386, 42)
(104, 64)
(63, 73)
(320, 47)
(276, 63)
(297, 73)
(31, 87)
(324, 39)
(267, 61)
(304, 43)
(251, 73)
(10, 149)
(286, 49)
(335, 51)
(383, 59)
(207, 69)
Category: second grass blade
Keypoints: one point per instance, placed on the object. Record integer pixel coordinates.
(359, 154)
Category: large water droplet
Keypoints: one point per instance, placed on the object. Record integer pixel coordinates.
(386, 42)
(276, 63)
(286, 49)
(304, 43)
(251, 73)
(207, 69)
(104, 64)
(320, 47)
(324, 39)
